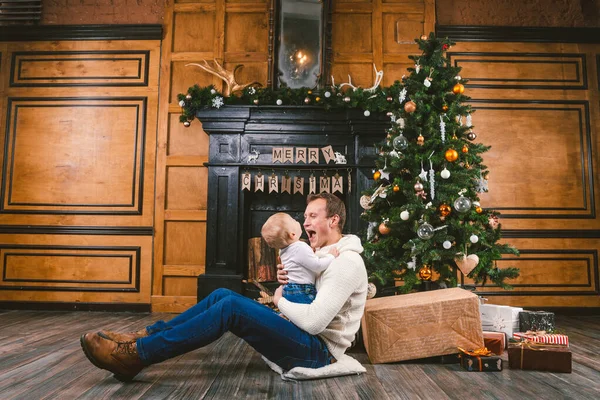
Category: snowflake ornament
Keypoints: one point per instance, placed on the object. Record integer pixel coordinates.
(402, 95)
(218, 102)
(482, 185)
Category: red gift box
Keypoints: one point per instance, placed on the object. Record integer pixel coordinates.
(542, 337)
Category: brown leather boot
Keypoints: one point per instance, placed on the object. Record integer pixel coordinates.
(123, 337)
(121, 359)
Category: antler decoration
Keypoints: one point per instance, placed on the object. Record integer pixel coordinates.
(378, 79)
(227, 76)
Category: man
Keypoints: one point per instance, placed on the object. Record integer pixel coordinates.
(315, 335)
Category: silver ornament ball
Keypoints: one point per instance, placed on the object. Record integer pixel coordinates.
(462, 204)
(425, 231)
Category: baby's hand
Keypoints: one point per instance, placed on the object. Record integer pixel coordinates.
(334, 251)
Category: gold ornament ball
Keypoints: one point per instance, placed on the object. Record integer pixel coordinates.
(425, 273)
(451, 155)
(478, 209)
(423, 37)
(410, 107)
(420, 140)
(396, 188)
(445, 107)
(445, 210)
(465, 149)
(459, 88)
(309, 92)
(384, 229)
(317, 99)
(376, 175)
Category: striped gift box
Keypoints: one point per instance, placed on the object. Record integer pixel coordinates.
(540, 337)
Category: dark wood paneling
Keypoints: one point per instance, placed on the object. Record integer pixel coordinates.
(461, 33)
(80, 32)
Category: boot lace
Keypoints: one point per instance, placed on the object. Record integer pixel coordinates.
(126, 348)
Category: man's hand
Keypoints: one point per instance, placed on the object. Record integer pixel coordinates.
(277, 295)
(281, 275)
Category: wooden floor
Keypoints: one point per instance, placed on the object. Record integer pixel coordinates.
(40, 358)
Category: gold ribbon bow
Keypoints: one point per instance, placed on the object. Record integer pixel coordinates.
(482, 352)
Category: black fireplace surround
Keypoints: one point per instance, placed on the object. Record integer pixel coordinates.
(236, 132)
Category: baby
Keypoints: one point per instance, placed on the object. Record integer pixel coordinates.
(282, 232)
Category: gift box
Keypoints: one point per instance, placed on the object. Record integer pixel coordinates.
(536, 321)
(496, 335)
(498, 318)
(480, 360)
(419, 325)
(494, 345)
(542, 337)
(539, 357)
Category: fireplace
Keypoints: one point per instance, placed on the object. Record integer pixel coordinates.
(242, 139)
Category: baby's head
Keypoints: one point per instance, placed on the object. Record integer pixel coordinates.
(281, 230)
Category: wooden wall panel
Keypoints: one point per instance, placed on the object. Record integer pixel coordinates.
(537, 105)
(78, 170)
(75, 268)
(83, 68)
(54, 164)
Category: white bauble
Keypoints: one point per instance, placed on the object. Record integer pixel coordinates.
(474, 238)
(447, 244)
(445, 174)
(404, 215)
(371, 290)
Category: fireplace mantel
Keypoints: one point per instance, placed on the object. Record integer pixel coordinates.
(235, 132)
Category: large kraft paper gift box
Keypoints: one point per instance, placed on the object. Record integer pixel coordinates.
(419, 325)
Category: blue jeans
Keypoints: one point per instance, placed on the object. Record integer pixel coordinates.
(303, 293)
(223, 310)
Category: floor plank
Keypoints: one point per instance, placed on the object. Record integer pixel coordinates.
(40, 358)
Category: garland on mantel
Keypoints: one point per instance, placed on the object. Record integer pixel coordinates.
(382, 99)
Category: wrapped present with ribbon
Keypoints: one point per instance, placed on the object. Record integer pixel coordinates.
(536, 321)
(421, 325)
(542, 337)
(480, 360)
(497, 318)
(489, 338)
(539, 356)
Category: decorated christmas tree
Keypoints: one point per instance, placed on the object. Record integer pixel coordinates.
(424, 212)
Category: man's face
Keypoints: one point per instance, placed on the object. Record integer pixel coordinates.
(317, 225)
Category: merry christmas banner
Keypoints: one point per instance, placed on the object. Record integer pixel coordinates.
(274, 183)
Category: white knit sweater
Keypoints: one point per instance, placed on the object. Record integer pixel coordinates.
(335, 313)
